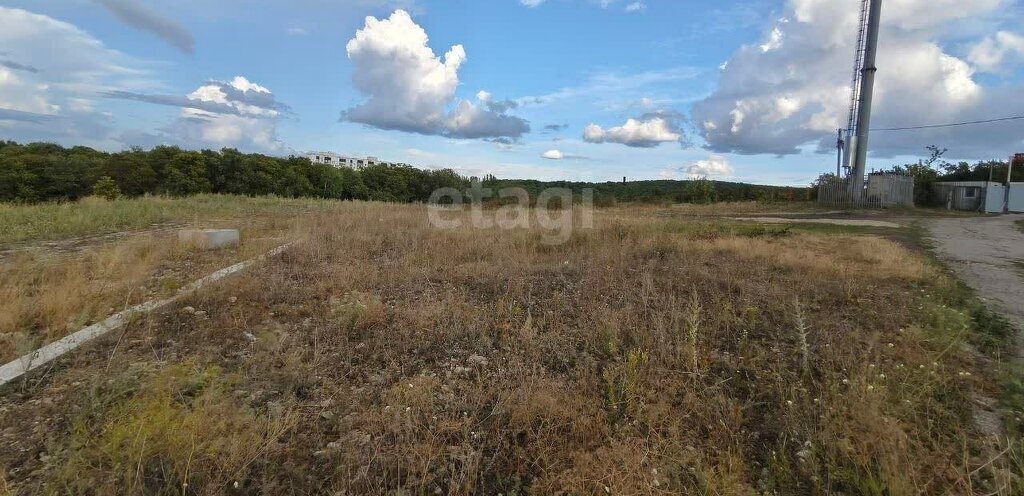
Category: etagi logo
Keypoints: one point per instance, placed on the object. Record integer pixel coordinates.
(554, 211)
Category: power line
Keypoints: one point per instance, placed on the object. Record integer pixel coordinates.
(955, 124)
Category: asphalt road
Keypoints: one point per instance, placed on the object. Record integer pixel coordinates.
(987, 253)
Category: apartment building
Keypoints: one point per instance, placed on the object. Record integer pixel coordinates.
(337, 160)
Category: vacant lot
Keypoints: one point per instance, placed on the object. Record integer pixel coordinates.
(650, 354)
(65, 266)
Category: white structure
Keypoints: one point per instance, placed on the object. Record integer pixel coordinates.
(337, 160)
(209, 239)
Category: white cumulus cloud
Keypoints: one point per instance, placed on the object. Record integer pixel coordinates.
(553, 155)
(714, 165)
(235, 114)
(409, 88)
(792, 88)
(647, 131)
(252, 127)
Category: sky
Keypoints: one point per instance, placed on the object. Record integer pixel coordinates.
(595, 90)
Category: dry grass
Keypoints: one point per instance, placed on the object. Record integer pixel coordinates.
(96, 216)
(51, 290)
(648, 355)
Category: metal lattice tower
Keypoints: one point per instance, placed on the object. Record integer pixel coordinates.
(858, 68)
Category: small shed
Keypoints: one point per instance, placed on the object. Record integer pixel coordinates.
(975, 196)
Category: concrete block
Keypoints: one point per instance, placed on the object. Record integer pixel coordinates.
(209, 239)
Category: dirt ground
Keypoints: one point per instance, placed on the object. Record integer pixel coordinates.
(986, 253)
(837, 222)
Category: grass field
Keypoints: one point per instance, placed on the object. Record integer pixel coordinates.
(652, 353)
(95, 216)
(65, 266)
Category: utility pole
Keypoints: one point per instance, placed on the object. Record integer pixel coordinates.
(860, 154)
(1009, 185)
(839, 154)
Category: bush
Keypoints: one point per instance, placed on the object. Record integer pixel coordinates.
(105, 187)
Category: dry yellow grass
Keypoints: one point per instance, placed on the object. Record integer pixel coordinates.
(51, 290)
(647, 355)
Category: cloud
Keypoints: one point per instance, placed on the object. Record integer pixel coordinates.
(238, 97)
(557, 128)
(990, 53)
(474, 121)
(559, 155)
(237, 114)
(714, 165)
(616, 85)
(647, 131)
(410, 89)
(50, 70)
(635, 7)
(791, 89)
(18, 67)
(142, 18)
(18, 115)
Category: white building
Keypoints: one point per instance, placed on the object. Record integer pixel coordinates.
(337, 160)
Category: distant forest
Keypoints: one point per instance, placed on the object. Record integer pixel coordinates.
(46, 172)
(38, 172)
(661, 191)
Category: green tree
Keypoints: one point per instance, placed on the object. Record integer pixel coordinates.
(700, 190)
(105, 187)
(925, 173)
(186, 175)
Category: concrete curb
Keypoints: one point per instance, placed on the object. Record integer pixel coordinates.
(21, 366)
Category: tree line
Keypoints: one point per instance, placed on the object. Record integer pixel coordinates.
(38, 172)
(698, 190)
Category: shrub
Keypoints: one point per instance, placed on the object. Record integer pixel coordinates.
(105, 187)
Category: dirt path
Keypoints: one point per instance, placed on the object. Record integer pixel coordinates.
(837, 222)
(988, 254)
(79, 243)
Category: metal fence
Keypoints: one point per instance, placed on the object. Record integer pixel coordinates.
(879, 191)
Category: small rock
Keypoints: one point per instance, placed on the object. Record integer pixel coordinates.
(188, 310)
(249, 337)
(233, 299)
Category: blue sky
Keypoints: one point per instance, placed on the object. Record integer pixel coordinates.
(555, 89)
